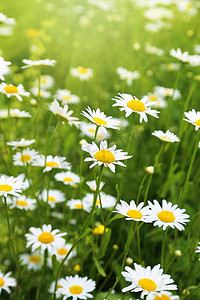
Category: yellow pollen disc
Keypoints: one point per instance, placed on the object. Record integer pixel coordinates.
(104, 156)
(43, 80)
(99, 121)
(147, 284)
(166, 216)
(51, 199)
(52, 164)
(97, 202)
(79, 206)
(1, 282)
(22, 203)
(11, 89)
(76, 289)
(136, 105)
(91, 130)
(197, 122)
(46, 238)
(25, 158)
(66, 97)
(82, 70)
(165, 138)
(5, 188)
(62, 251)
(34, 259)
(163, 297)
(153, 98)
(135, 214)
(68, 179)
(167, 92)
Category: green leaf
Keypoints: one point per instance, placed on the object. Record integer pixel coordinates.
(55, 265)
(99, 267)
(115, 218)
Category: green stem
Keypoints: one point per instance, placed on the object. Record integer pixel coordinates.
(138, 242)
(95, 135)
(140, 188)
(41, 286)
(84, 228)
(163, 249)
(48, 143)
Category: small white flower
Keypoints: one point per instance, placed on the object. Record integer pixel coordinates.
(12, 90)
(162, 296)
(4, 69)
(43, 93)
(154, 50)
(26, 157)
(82, 73)
(131, 105)
(107, 201)
(62, 251)
(193, 117)
(38, 63)
(23, 203)
(148, 281)
(33, 261)
(21, 144)
(183, 56)
(168, 136)
(66, 97)
(67, 178)
(56, 162)
(78, 204)
(16, 113)
(54, 197)
(129, 76)
(109, 157)
(167, 215)
(44, 238)
(93, 185)
(10, 186)
(100, 119)
(52, 287)
(46, 82)
(6, 282)
(132, 211)
(5, 20)
(167, 92)
(76, 287)
(89, 129)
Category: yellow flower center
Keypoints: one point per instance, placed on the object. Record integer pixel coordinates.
(97, 202)
(165, 138)
(197, 122)
(25, 158)
(82, 70)
(66, 97)
(62, 251)
(1, 282)
(166, 216)
(167, 92)
(77, 268)
(135, 214)
(22, 203)
(34, 259)
(5, 188)
(51, 199)
(43, 80)
(76, 289)
(68, 179)
(147, 284)
(46, 238)
(79, 206)
(11, 89)
(136, 105)
(104, 156)
(99, 121)
(163, 297)
(91, 130)
(52, 164)
(153, 98)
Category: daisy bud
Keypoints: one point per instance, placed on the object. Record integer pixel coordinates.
(77, 268)
(177, 252)
(83, 142)
(129, 260)
(33, 102)
(115, 247)
(150, 170)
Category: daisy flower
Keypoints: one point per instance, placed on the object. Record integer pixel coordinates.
(21, 144)
(162, 296)
(198, 249)
(5, 20)
(44, 238)
(51, 162)
(43, 93)
(12, 90)
(129, 76)
(164, 92)
(132, 211)
(66, 97)
(89, 129)
(46, 82)
(167, 215)
(6, 282)
(4, 69)
(62, 251)
(22, 177)
(23, 203)
(157, 100)
(107, 201)
(168, 136)
(183, 56)
(16, 113)
(54, 197)
(100, 119)
(131, 104)
(26, 157)
(78, 204)
(52, 287)
(193, 117)
(109, 157)
(76, 287)
(63, 113)
(93, 185)
(147, 280)
(67, 178)
(33, 261)
(38, 63)
(82, 73)
(10, 186)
